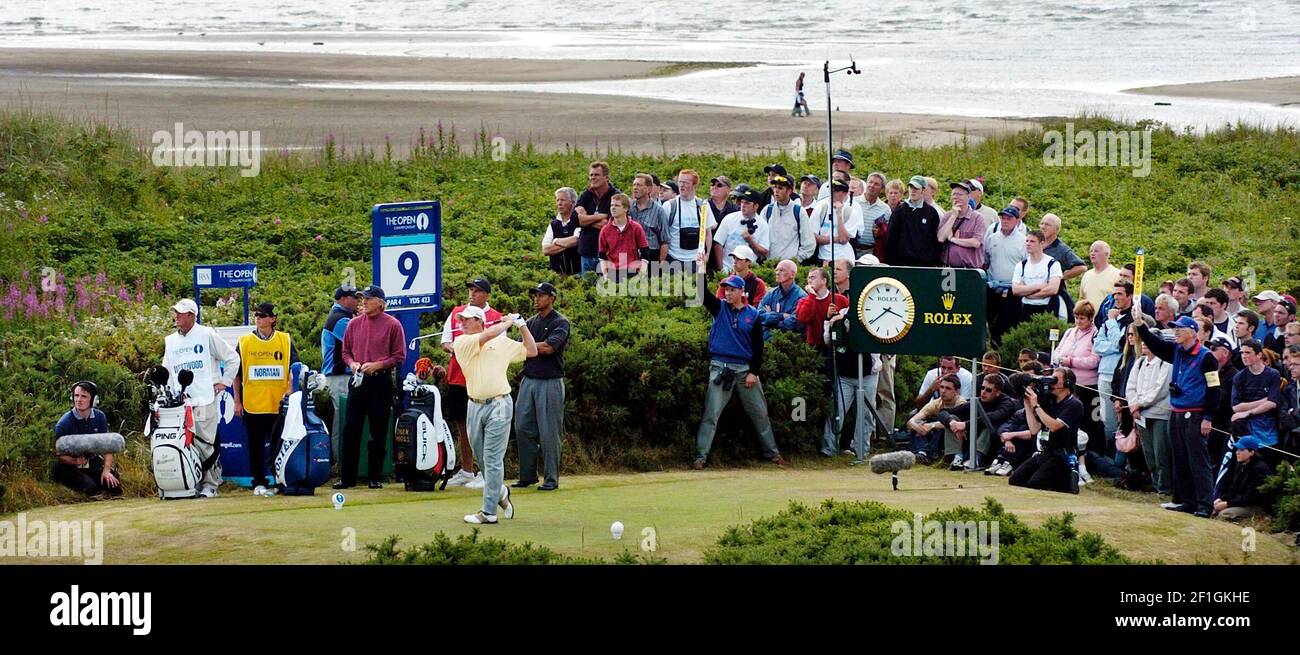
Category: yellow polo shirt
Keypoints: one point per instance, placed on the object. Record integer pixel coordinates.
(485, 365)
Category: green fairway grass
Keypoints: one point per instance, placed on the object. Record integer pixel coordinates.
(687, 510)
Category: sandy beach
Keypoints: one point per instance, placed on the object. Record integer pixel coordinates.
(258, 92)
(1279, 91)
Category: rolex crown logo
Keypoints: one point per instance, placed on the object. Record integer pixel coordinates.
(948, 300)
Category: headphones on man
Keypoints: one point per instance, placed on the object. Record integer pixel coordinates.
(90, 387)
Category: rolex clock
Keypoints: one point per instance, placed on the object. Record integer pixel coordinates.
(886, 309)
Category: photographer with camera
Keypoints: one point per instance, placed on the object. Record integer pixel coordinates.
(736, 358)
(741, 228)
(1052, 407)
(1193, 389)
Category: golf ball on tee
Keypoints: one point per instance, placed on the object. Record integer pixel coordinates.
(616, 530)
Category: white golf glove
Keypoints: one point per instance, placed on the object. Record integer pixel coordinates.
(520, 322)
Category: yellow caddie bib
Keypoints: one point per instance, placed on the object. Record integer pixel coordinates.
(264, 371)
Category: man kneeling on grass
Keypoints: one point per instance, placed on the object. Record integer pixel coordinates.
(1238, 492)
(484, 355)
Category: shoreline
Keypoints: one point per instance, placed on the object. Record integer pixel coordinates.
(148, 94)
(1275, 91)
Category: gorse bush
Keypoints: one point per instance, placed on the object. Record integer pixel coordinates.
(865, 533)
(1284, 486)
(474, 550)
(82, 199)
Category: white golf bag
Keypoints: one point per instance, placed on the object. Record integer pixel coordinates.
(424, 452)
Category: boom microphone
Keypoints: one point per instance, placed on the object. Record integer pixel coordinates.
(90, 444)
(892, 463)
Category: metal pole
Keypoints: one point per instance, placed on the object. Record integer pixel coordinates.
(972, 428)
(859, 432)
(830, 199)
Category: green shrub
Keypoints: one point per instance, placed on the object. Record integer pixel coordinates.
(1031, 334)
(1284, 486)
(474, 550)
(866, 533)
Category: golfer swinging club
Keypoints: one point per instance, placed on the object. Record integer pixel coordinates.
(484, 355)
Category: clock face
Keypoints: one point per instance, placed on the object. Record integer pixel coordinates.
(886, 309)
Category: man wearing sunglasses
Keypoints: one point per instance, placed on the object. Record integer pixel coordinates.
(995, 406)
(263, 380)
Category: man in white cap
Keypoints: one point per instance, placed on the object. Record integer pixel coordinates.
(214, 364)
(977, 201)
(742, 260)
(485, 354)
(1265, 302)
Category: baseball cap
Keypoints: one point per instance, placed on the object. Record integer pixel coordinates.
(265, 309)
(1249, 442)
(1234, 282)
(471, 311)
(743, 252)
(373, 291)
(811, 178)
(721, 179)
(544, 287)
(782, 180)
(868, 260)
(844, 155)
(1011, 210)
(670, 185)
(975, 185)
(734, 281)
(961, 184)
(917, 181)
(481, 284)
(745, 193)
(1219, 342)
(1290, 305)
(839, 185)
(1268, 294)
(346, 290)
(775, 168)
(1187, 322)
(186, 306)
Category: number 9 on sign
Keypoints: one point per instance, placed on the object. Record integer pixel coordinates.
(409, 270)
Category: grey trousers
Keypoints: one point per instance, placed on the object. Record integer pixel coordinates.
(338, 386)
(885, 405)
(539, 420)
(752, 399)
(848, 401)
(489, 433)
(206, 418)
(1154, 437)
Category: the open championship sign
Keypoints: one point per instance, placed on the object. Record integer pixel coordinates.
(406, 249)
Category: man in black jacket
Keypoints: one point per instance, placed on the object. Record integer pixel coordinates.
(994, 404)
(1239, 495)
(913, 237)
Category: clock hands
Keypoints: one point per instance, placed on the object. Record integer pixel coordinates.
(882, 315)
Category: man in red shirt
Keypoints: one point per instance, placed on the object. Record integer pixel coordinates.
(456, 402)
(621, 241)
(373, 345)
(819, 305)
(742, 258)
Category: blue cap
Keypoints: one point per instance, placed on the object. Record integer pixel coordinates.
(373, 291)
(1249, 442)
(1011, 211)
(844, 155)
(1186, 322)
(734, 281)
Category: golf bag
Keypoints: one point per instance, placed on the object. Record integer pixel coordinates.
(177, 468)
(424, 452)
(302, 462)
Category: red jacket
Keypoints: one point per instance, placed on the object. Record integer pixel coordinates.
(622, 247)
(812, 312)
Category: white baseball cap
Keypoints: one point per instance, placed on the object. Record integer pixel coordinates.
(868, 260)
(1268, 295)
(976, 184)
(186, 306)
(471, 311)
(744, 252)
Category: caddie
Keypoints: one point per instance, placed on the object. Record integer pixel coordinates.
(263, 381)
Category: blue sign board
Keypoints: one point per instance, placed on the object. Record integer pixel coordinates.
(406, 251)
(224, 276)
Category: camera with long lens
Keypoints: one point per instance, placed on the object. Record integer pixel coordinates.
(1043, 384)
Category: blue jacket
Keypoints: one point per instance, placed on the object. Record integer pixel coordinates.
(736, 336)
(1109, 345)
(1192, 371)
(778, 302)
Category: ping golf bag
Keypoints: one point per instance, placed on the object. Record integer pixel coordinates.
(302, 462)
(177, 468)
(424, 452)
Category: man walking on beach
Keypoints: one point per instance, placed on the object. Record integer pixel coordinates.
(800, 103)
(484, 355)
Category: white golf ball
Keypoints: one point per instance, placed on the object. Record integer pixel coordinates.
(616, 530)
